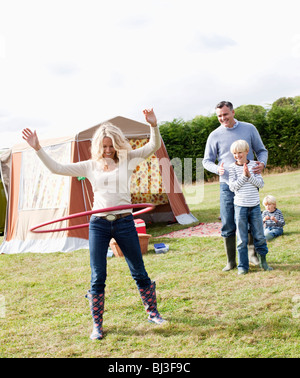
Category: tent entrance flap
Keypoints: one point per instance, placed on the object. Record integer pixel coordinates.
(39, 188)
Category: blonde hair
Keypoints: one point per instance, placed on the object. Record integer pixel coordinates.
(119, 141)
(268, 200)
(239, 146)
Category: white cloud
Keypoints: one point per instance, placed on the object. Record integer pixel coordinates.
(64, 68)
(67, 65)
(211, 42)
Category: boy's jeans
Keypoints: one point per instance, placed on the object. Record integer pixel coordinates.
(243, 216)
(273, 232)
(123, 230)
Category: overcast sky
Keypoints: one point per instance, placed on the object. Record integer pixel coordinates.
(66, 65)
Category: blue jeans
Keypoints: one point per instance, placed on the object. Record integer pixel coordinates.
(245, 216)
(227, 211)
(273, 232)
(123, 230)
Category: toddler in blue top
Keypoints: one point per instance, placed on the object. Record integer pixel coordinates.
(273, 219)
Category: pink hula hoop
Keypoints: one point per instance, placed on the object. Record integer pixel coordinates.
(147, 207)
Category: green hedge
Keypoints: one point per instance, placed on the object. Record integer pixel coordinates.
(279, 127)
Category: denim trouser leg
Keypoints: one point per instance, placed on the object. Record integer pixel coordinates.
(127, 238)
(124, 232)
(227, 210)
(241, 221)
(243, 216)
(99, 238)
(271, 233)
(257, 230)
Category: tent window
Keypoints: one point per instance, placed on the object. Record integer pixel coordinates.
(39, 188)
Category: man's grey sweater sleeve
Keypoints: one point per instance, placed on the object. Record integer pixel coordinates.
(210, 156)
(260, 150)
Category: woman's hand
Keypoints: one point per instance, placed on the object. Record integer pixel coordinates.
(150, 117)
(31, 138)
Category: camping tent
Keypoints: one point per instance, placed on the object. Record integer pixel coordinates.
(5, 156)
(35, 195)
(2, 207)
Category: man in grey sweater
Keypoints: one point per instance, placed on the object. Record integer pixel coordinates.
(218, 149)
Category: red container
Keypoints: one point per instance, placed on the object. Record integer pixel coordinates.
(143, 239)
(140, 226)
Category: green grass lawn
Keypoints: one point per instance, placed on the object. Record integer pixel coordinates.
(210, 313)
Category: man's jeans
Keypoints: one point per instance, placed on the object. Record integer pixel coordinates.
(273, 232)
(123, 230)
(243, 217)
(227, 210)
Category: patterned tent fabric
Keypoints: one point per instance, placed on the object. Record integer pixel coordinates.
(146, 181)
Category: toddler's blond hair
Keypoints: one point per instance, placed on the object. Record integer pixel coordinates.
(268, 200)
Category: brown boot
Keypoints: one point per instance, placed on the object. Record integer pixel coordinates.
(251, 251)
(263, 263)
(230, 248)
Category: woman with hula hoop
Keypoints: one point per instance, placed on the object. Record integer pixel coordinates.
(109, 171)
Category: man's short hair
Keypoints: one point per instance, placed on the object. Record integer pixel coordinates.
(224, 103)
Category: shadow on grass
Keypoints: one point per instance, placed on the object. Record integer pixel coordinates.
(276, 266)
(286, 233)
(285, 267)
(205, 327)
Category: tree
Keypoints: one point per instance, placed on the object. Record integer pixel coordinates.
(254, 114)
(279, 128)
(284, 132)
